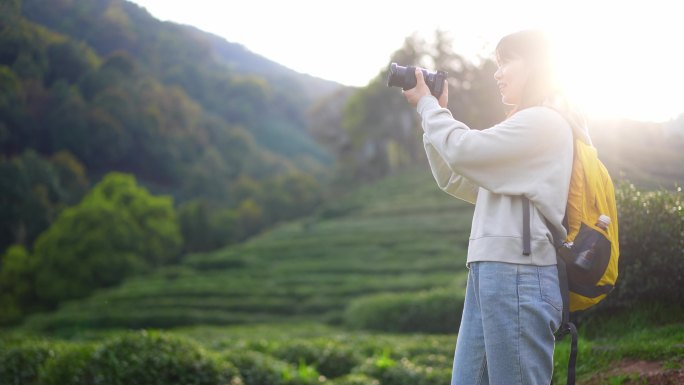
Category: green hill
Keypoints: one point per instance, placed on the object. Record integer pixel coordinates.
(89, 87)
(399, 234)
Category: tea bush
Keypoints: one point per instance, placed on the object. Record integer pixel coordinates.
(434, 311)
(21, 364)
(128, 359)
(651, 235)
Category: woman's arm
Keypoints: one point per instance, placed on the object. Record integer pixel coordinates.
(450, 182)
(508, 158)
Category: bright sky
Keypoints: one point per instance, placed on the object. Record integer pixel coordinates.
(618, 58)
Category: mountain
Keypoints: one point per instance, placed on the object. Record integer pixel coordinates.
(94, 86)
(203, 64)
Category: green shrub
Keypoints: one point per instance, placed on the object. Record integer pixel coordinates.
(402, 371)
(134, 358)
(651, 234)
(258, 368)
(435, 311)
(356, 379)
(330, 358)
(71, 366)
(155, 359)
(407, 372)
(21, 364)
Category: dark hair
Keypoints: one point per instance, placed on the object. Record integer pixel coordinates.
(534, 48)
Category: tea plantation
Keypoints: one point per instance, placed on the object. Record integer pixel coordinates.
(402, 235)
(366, 292)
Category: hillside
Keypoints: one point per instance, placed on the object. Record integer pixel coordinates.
(400, 234)
(644, 153)
(95, 86)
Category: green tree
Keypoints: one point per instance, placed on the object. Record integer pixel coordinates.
(155, 215)
(17, 292)
(69, 61)
(117, 230)
(12, 111)
(33, 191)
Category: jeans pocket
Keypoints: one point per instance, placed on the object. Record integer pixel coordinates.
(550, 287)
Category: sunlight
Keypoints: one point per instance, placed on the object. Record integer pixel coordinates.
(617, 58)
(622, 71)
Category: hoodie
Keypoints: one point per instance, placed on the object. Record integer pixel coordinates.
(530, 153)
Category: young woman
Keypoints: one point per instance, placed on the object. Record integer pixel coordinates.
(513, 303)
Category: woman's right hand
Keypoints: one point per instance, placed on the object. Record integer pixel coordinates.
(421, 89)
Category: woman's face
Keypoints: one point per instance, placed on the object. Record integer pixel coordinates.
(511, 77)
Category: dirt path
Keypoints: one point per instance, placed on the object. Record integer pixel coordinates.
(639, 372)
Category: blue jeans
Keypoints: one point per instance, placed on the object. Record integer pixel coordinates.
(506, 335)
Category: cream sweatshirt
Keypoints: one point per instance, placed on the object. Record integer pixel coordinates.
(529, 153)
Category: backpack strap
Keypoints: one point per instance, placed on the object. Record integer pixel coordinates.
(566, 327)
(527, 249)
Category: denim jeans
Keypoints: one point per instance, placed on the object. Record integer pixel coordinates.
(509, 317)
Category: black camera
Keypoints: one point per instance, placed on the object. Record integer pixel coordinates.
(405, 77)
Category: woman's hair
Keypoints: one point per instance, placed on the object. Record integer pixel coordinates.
(534, 48)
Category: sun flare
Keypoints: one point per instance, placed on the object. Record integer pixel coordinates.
(621, 72)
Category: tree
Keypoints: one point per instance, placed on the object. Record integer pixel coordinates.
(12, 111)
(207, 226)
(33, 192)
(154, 215)
(16, 284)
(117, 230)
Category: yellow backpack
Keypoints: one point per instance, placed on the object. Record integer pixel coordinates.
(588, 257)
(591, 249)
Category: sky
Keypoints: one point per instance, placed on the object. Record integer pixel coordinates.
(616, 58)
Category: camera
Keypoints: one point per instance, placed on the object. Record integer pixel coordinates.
(405, 77)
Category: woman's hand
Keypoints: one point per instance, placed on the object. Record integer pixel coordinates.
(421, 89)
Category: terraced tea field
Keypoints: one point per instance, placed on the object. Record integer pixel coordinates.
(401, 234)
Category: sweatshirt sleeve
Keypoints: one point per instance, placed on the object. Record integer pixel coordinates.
(451, 183)
(507, 158)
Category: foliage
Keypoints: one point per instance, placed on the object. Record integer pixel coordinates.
(117, 230)
(384, 358)
(149, 358)
(436, 311)
(70, 366)
(651, 264)
(16, 284)
(34, 191)
(258, 368)
(117, 90)
(330, 358)
(132, 358)
(20, 365)
(154, 215)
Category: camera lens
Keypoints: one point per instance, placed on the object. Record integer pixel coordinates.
(405, 77)
(396, 76)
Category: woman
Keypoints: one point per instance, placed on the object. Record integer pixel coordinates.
(513, 303)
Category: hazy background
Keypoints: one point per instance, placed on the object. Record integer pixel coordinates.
(605, 49)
